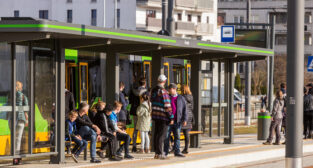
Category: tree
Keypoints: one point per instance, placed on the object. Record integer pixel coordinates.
(259, 77)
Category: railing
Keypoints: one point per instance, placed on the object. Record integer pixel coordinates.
(204, 28)
(153, 22)
(185, 3)
(185, 26)
(239, 111)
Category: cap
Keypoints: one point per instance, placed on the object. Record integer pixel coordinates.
(172, 85)
(162, 78)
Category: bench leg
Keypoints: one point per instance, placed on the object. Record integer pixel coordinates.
(85, 154)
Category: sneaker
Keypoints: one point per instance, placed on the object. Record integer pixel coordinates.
(267, 143)
(100, 154)
(134, 150)
(74, 157)
(284, 143)
(17, 161)
(163, 157)
(147, 151)
(115, 158)
(179, 155)
(119, 154)
(93, 160)
(156, 156)
(185, 152)
(127, 156)
(276, 143)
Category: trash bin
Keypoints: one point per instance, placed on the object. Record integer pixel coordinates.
(264, 123)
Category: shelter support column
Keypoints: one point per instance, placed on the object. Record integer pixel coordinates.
(60, 105)
(229, 90)
(195, 89)
(112, 77)
(103, 75)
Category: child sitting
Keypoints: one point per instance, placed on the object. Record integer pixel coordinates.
(72, 135)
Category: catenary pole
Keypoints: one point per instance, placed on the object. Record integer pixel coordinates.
(295, 70)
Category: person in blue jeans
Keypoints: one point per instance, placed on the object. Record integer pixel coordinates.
(71, 134)
(178, 104)
(87, 130)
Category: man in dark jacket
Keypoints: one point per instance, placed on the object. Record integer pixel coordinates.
(308, 112)
(107, 129)
(87, 130)
(178, 104)
(122, 115)
(134, 99)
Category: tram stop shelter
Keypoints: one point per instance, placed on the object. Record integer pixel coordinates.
(32, 52)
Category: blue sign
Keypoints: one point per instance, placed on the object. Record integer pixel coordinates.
(310, 64)
(227, 34)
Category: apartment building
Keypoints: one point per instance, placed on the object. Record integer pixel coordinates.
(195, 19)
(89, 12)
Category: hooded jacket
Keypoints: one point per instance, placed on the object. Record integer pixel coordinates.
(144, 117)
(105, 124)
(278, 106)
(189, 101)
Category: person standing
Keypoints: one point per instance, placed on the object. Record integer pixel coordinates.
(69, 102)
(21, 119)
(144, 122)
(308, 112)
(186, 129)
(161, 115)
(178, 104)
(277, 117)
(122, 115)
(134, 99)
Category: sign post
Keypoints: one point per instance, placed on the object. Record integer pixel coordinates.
(228, 34)
(310, 64)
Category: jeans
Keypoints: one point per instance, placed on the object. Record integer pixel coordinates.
(145, 141)
(275, 126)
(135, 133)
(160, 132)
(187, 138)
(126, 138)
(80, 146)
(89, 134)
(112, 145)
(175, 128)
(19, 134)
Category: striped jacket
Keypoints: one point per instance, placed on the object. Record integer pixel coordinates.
(161, 104)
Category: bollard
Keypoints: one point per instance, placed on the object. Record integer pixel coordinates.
(264, 122)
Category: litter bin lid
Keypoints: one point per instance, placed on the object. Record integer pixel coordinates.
(264, 115)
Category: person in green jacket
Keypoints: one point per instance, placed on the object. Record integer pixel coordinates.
(144, 121)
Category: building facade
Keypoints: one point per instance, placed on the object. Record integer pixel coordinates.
(195, 19)
(89, 12)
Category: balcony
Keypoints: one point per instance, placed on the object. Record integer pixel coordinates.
(204, 29)
(153, 24)
(185, 3)
(185, 28)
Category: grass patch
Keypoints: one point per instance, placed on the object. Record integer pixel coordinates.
(246, 130)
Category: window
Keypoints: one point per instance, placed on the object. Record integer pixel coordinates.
(281, 18)
(308, 39)
(69, 1)
(221, 19)
(93, 1)
(69, 16)
(189, 18)
(118, 14)
(43, 14)
(178, 16)
(199, 19)
(207, 19)
(16, 13)
(150, 13)
(281, 39)
(308, 17)
(94, 17)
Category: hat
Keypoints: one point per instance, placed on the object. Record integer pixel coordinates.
(172, 85)
(309, 85)
(162, 78)
(108, 107)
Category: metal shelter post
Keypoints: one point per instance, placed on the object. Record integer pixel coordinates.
(295, 70)
(248, 76)
(229, 122)
(195, 89)
(271, 66)
(60, 104)
(112, 77)
(103, 73)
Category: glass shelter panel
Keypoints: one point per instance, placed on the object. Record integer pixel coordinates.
(5, 99)
(45, 99)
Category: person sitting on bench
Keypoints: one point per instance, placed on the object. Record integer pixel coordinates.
(107, 129)
(87, 130)
(72, 135)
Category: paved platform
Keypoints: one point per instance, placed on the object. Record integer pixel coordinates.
(245, 152)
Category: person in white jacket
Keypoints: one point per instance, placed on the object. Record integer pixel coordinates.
(144, 121)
